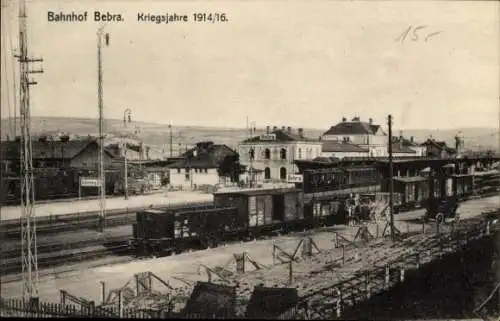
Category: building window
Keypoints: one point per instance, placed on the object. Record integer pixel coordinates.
(282, 173)
(267, 153)
(178, 170)
(267, 173)
(300, 153)
(206, 170)
(283, 153)
(186, 171)
(186, 176)
(252, 154)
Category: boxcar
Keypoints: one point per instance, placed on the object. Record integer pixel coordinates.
(414, 190)
(264, 210)
(173, 228)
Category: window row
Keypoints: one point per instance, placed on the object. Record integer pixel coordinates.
(267, 173)
(266, 154)
(196, 170)
(281, 154)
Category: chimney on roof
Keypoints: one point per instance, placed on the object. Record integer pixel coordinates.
(275, 128)
(400, 139)
(344, 119)
(301, 132)
(268, 129)
(412, 139)
(370, 120)
(289, 129)
(283, 128)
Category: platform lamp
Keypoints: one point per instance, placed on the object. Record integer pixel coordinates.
(125, 169)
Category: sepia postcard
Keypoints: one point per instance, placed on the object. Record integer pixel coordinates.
(250, 159)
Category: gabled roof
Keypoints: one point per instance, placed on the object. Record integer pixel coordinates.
(435, 143)
(331, 146)
(48, 149)
(353, 128)
(281, 136)
(204, 155)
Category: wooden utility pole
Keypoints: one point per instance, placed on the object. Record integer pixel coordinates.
(391, 181)
(28, 220)
(171, 140)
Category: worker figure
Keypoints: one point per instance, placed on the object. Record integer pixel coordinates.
(350, 210)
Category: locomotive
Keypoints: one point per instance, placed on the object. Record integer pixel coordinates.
(322, 200)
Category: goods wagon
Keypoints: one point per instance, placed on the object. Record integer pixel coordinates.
(265, 210)
(413, 190)
(173, 228)
(232, 215)
(340, 179)
(333, 194)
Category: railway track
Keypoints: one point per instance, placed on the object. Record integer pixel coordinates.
(57, 253)
(52, 224)
(51, 260)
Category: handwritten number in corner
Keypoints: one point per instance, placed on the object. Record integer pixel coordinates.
(413, 34)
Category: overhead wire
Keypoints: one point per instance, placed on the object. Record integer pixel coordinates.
(10, 73)
(5, 82)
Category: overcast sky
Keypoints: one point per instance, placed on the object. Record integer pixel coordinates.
(299, 63)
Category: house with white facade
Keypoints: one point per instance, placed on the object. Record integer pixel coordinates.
(205, 164)
(366, 135)
(357, 138)
(273, 153)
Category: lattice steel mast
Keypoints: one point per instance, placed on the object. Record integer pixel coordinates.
(28, 220)
(102, 179)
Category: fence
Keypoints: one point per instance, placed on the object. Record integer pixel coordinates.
(365, 284)
(17, 308)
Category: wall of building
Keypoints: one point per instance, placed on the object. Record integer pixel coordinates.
(364, 139)
(421, 151)
(199, 177)
(275, 164)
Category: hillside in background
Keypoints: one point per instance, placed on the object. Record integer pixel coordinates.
(157, 135)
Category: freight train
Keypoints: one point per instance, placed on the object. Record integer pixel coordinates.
(324, 200)
(55, 183)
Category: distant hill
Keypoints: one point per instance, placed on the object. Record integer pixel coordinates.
(157, 135)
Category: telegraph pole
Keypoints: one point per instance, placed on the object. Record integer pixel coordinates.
(391, 182)
(28, 220)
(171, 139)
(102, 179)
(126, 117)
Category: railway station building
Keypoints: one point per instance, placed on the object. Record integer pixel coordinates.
(271, 155)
